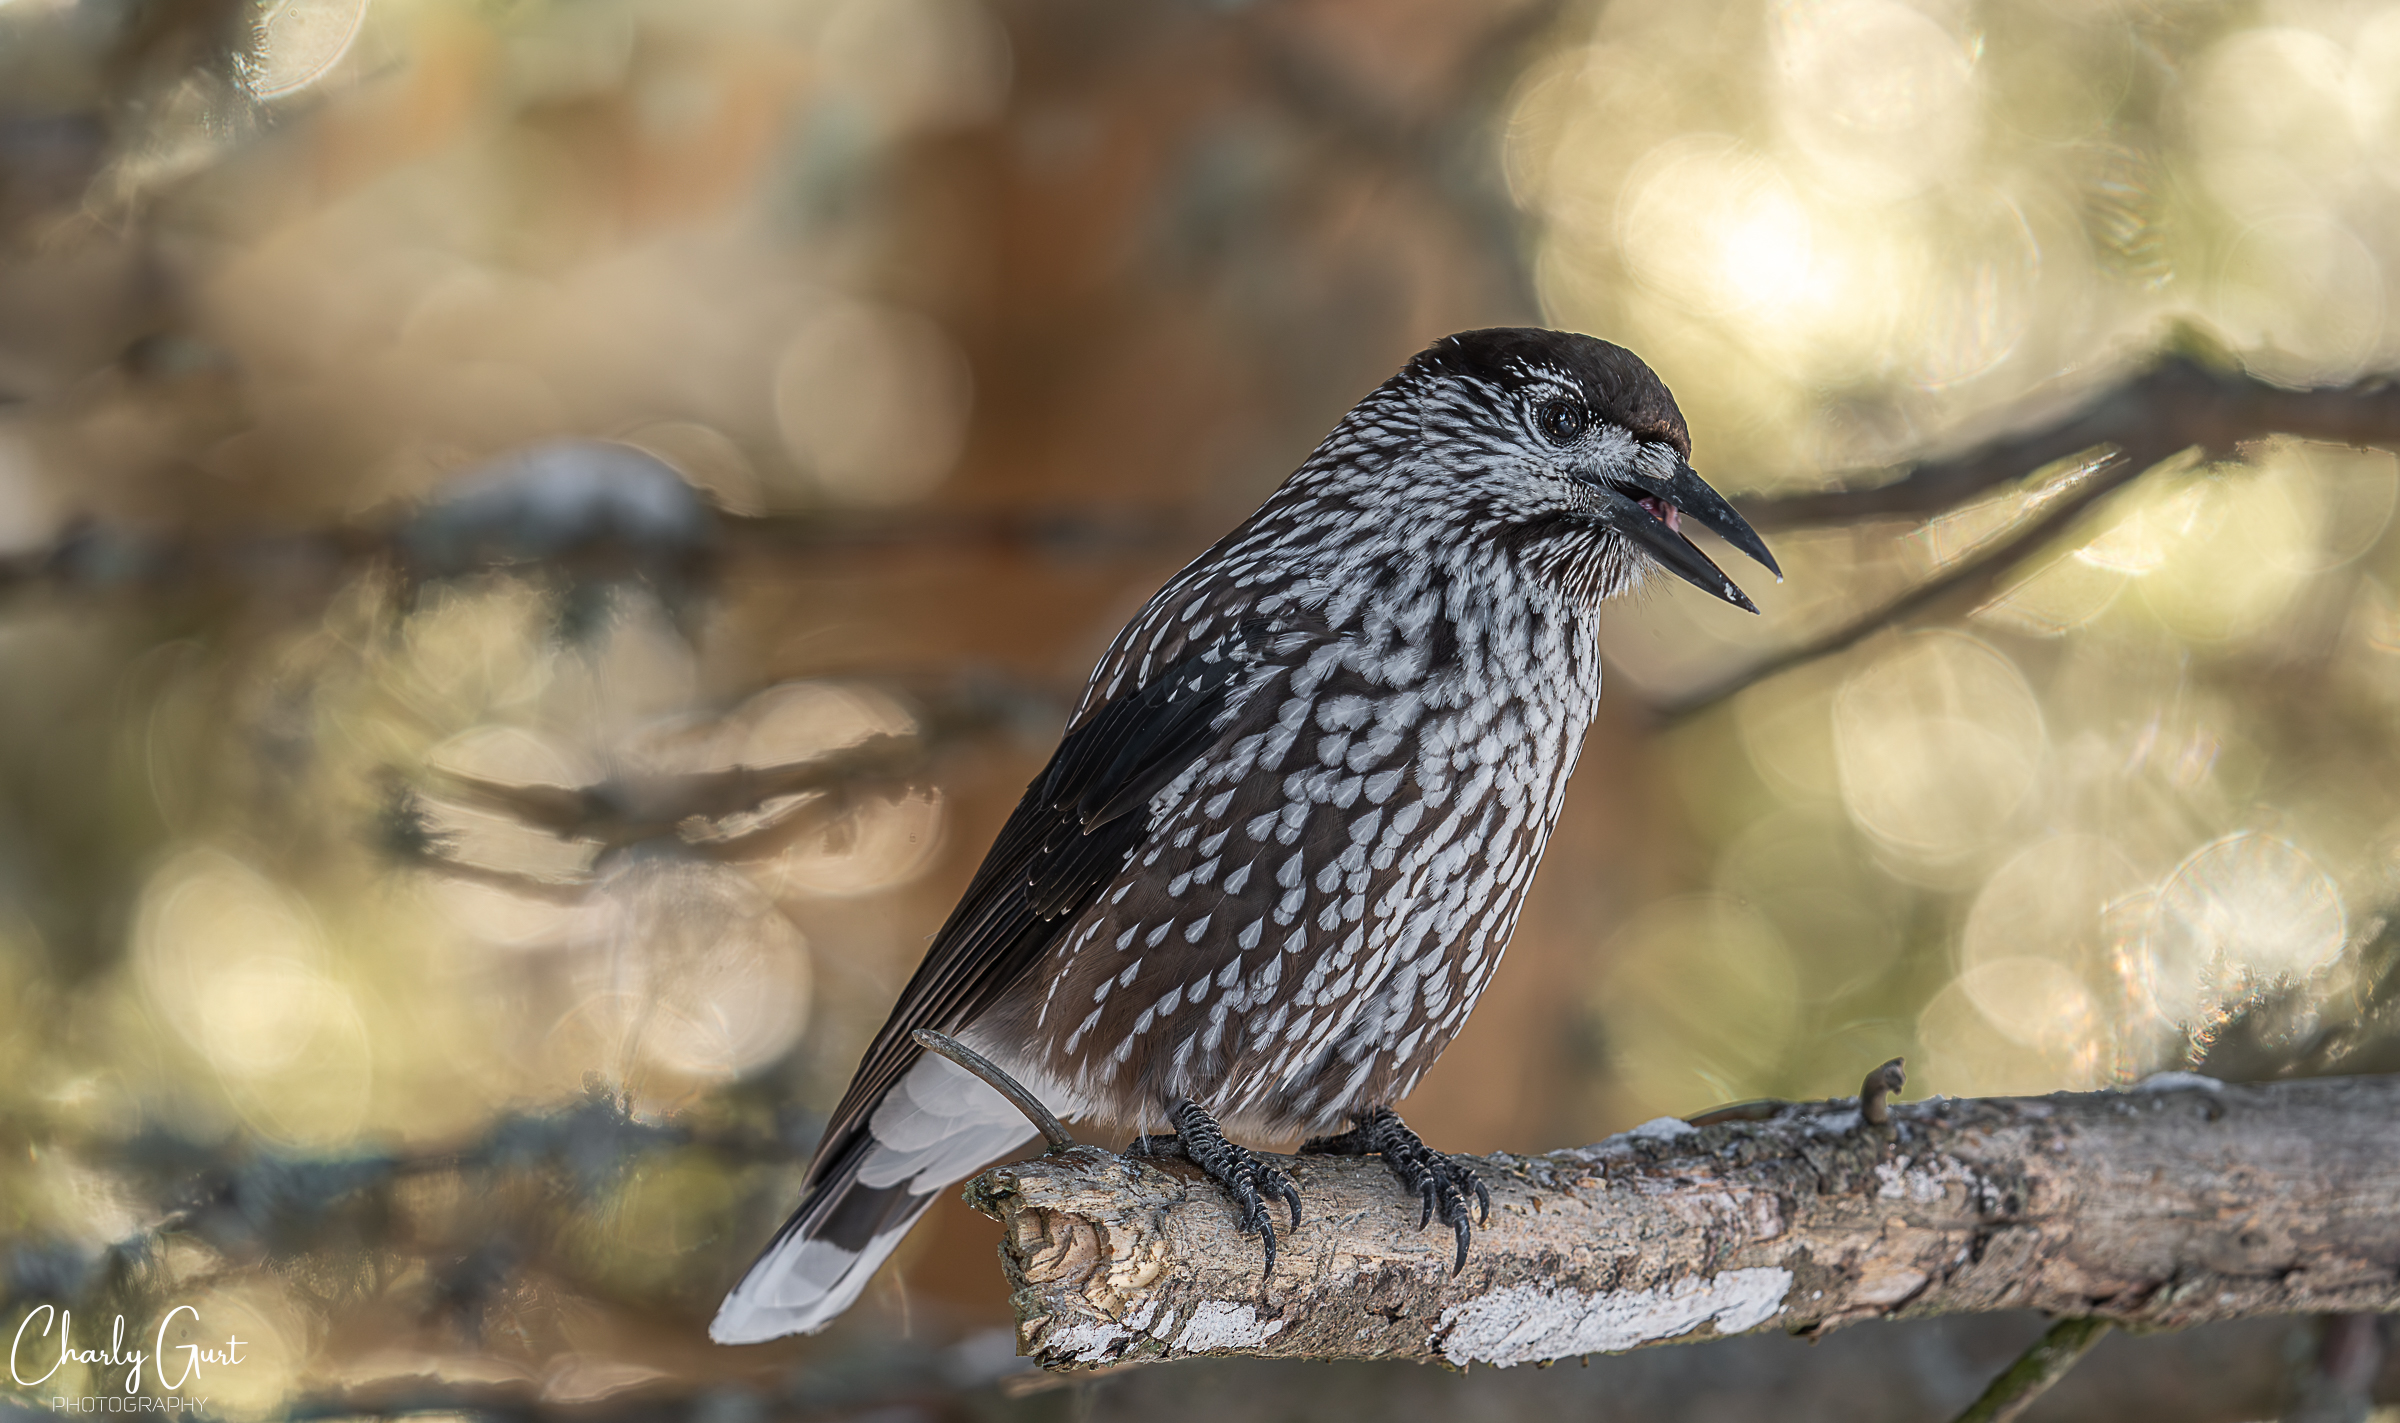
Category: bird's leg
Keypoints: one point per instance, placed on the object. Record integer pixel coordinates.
(1250, 1179)
(1441, 1182)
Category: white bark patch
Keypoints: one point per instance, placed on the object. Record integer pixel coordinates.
(2177, 1082)
(1524, 1324)
(1662, 1129)
(1086, 1342)
(1905, 1179)
(1217, 1325)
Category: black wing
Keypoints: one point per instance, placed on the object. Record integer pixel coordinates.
(1078, 825)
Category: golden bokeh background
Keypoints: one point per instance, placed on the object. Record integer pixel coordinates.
(418, 411)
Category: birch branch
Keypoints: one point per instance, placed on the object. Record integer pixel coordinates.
(2177, 1203)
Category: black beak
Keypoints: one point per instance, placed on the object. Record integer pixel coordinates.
(1631, 502)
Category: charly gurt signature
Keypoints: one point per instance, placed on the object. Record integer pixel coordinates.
(176, 1367)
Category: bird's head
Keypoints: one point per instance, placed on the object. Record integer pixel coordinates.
(1562, 438)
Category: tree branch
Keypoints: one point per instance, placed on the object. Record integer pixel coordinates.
(633, 807)
(1953, 592)
(2179, 1202)
(2059, 1349)
(2175, 404)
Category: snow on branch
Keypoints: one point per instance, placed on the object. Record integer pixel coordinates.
(2181, 1201)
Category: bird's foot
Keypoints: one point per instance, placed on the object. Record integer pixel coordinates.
(1442, 1182)
(1249, 1178)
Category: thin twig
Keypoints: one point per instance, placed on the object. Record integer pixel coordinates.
(566, 889)
(1884, 1080)
(1881, 1083)
(93, 557)
(2058, 1350)
(2176, 403)
(625, 810)
(246, 1202)
(630, 809)
(1962, 587)
(1053, 1130)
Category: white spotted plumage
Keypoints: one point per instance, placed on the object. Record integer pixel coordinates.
(1416, 701)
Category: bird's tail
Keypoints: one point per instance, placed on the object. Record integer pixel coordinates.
(935, 1126)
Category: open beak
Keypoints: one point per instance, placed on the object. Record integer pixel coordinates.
(1650, 512)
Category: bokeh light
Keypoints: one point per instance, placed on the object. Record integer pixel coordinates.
(244, 977)
(872, 404)
(297, 42)
(1878, 95)
(1699, 1001)
(1851, 232)
(862, 843)
(688, 969)
(1940, 744)
(2048, 906)
(2241, 911)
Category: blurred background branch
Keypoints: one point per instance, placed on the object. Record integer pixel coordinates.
(2060, 1348)
(2181, 401)
(2125, 432)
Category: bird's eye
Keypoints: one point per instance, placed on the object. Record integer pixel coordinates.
(1560, 420)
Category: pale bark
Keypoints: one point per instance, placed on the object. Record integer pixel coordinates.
(2175, 1203)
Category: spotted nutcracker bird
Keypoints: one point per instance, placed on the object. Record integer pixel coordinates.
(1282, 845)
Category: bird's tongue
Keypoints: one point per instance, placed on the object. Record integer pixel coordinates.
(1665, 513)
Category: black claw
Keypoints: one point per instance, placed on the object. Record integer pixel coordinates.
(1251, 1180)
(1441, 1183)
